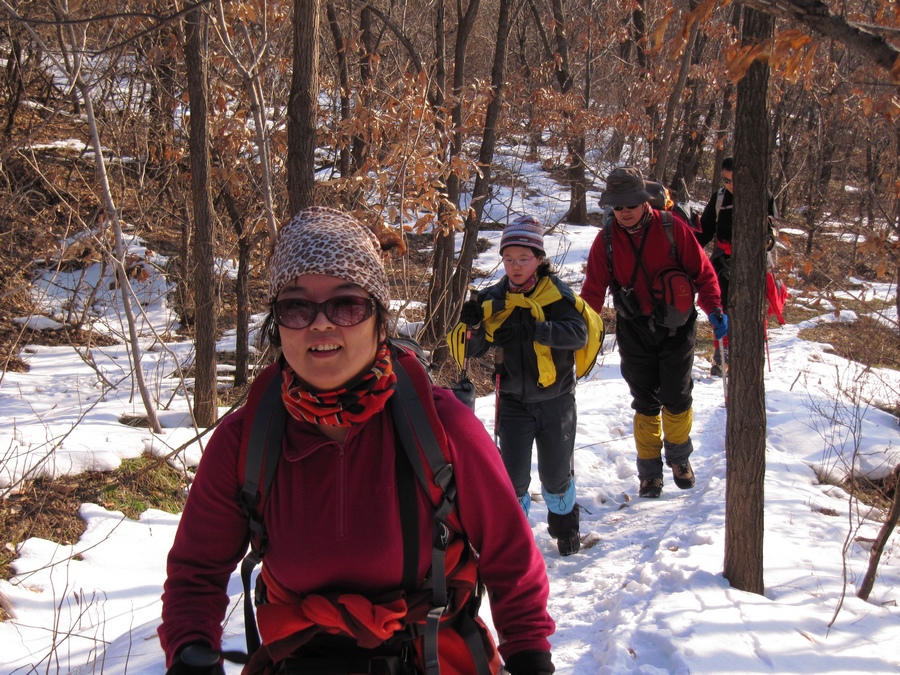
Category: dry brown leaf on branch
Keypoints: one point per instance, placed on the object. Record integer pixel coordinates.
(701, 13)
(659, 33)
(744, 58)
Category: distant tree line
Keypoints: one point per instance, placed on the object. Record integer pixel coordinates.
(218, 119)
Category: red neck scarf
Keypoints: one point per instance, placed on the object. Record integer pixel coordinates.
(639, 225)
(529, 284)
(343, 407)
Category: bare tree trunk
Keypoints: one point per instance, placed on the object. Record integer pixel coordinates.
(639, 19)
(303, 105)
(121, 278)
(443, 305)
(360, 146)
(241, 290)
(558, 53)
(884, 534)
(746, 427)
(340, 46)
(13, 83)
(250, 78)
(72, 63)
(726, 114)
(577, 212)
(485, 156)
(203, 272)
(695, 130)
(659, 171)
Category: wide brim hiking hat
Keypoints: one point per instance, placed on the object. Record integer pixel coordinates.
(625, 187)
(659, 195)
(524, 231)
(319, 240)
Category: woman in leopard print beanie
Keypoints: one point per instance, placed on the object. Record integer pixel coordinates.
(349, 528)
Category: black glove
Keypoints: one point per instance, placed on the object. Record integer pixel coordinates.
(515, 331)
(471, 314)
(196, 658)
(530, 662)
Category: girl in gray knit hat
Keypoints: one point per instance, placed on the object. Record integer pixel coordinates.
(535, 321)
(362, 572)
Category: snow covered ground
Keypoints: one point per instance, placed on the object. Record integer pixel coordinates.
(649, 597)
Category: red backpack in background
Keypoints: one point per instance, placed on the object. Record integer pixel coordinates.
(776, 294)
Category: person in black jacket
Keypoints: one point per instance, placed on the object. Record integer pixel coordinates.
(716, 223)
(531, 315)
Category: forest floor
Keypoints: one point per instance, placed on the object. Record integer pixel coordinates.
(38, 218)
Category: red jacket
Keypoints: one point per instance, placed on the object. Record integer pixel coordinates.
(656, 256)
(333, 522)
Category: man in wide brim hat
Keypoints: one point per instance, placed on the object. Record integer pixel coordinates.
(625, 186)
(635, 251)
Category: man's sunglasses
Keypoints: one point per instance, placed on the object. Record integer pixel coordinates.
(630, 208)
(343, 310)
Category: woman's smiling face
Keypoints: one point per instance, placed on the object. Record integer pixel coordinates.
(324, 355)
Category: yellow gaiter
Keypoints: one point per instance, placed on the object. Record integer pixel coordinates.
(677, 427)
(648, 436)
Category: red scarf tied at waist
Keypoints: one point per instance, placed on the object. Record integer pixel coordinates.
(289, 620)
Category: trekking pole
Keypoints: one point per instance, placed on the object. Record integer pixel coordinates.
(725, 368)
(498, 361)
(766, 335)
(473, 295)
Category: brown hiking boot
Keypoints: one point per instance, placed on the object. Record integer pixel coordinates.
(651, 488)
(683, 475)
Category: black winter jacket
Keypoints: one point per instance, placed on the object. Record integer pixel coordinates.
(721, 228)
(563, 330)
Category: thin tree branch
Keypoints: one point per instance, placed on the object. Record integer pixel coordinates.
(816, 15)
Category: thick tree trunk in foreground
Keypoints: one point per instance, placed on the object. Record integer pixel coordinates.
(203, 272)
(303, 105)
(745, 440)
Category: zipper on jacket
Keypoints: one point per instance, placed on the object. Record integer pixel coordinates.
(342, 492)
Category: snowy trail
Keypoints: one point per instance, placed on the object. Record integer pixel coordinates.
(603, 598)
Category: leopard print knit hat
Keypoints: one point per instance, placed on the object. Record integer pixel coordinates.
(319, 240)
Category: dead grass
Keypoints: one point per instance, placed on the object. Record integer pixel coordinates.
(48, 509)
(33, 220)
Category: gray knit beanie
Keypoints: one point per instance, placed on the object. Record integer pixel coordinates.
(524, 231)
(320, 240)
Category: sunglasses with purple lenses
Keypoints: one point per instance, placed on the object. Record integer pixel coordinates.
(343, 310)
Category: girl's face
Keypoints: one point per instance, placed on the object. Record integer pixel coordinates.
(325, 355)
(520, 263)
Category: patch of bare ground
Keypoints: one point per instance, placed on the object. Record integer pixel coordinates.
(48, 509)
(38, 218)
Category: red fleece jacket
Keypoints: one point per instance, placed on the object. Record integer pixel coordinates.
(656, 257)
(333, 521)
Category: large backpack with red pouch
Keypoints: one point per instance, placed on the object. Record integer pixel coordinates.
(415, 419)
(672, 289)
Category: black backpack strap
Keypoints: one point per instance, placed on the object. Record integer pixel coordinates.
(263, 452)
(667, 221)
(407, 493)
(607, 237)
(412, 423)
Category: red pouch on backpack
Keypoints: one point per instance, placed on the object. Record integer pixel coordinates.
(673, 294)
